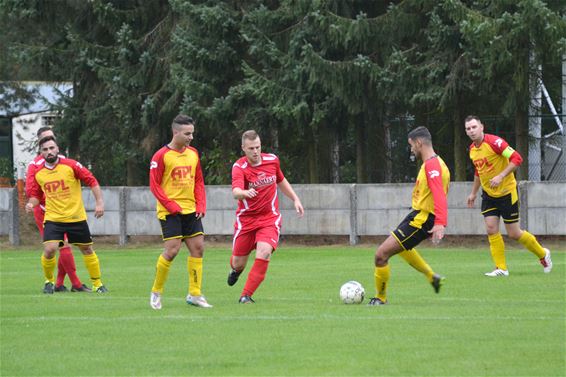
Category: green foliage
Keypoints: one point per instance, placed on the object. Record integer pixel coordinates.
(307, 75)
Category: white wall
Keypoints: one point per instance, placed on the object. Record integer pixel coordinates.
(24, 139)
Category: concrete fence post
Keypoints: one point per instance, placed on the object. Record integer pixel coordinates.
(123, 213)
(14, 208)
(523, 188)
(354, 238)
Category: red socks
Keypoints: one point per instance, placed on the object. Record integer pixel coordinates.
(67, 266)
(255, 277)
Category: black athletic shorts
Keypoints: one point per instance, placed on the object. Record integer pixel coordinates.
(414, 229)
(181, 226)
(500, 207)
(77, 233)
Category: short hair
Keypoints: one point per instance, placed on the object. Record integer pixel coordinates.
(472, 117)
(46, 139)
(43, 129)
(421, 133)
(249, 135)
(181, 120)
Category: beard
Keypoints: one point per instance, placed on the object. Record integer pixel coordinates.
(51, 158)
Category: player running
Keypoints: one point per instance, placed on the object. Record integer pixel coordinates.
(255, 179)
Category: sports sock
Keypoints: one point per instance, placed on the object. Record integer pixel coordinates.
(161, 273)
(417, 262)
(497, 248)
(67, 261)
(255, 277)
(194, 265)
(48, 268)
(93, 267)
(61, 273)
(381, 276)
(530, 242)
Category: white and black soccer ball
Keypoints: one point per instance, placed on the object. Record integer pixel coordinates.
(352, 292)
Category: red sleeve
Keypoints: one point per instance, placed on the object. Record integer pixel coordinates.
(516, 158)
(238, 180)
(200, 193)
(280, 175)
(81, 172)
(30, 177)
(33, 190)
(156, 169)
(496, 143)
(433, 172)
(499, 145)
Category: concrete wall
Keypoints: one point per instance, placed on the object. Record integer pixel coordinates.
(331, 209)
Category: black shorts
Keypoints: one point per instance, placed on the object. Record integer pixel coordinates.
(77, 233)
(181, 226)
(500, 207)
(414, 229)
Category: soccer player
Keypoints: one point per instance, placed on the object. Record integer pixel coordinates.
(66, 263)
(255, 178)
(428, 218)
(59, 179)
(176, 181)
(495, 161)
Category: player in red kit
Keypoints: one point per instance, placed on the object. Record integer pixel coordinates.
(66, 263)
(255, 179)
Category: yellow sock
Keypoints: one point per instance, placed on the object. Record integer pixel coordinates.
(530, 242)
(161, 273)
(381, 275)
(48, 268)
(194, 265)
(417, 262)
(93, 267)
(497, 248)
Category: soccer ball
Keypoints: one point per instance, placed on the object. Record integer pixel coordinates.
(352, 292)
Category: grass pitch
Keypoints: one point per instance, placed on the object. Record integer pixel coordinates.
(476, 326)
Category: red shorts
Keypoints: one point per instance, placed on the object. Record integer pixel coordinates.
(245, 240)
(39, 215)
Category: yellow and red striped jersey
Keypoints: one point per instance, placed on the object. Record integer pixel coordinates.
(431, 189)
(61, 185)
(490, 158)
(176, 181)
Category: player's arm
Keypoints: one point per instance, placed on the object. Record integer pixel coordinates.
(33, 192)
(155, 177)
(200, 192)
(99, 201)
(88, 179)
(30, 177)
(288, 191)
(433, 171)
(238, 185)
(475, 188)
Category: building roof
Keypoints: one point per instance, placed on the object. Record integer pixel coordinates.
(45, 95)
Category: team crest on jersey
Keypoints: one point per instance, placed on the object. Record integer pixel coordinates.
(433, 174)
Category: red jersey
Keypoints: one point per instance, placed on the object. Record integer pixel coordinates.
(61, 184)
(264, 179)
(176, 181)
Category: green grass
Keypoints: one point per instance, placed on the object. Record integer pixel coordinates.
(476, 326)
